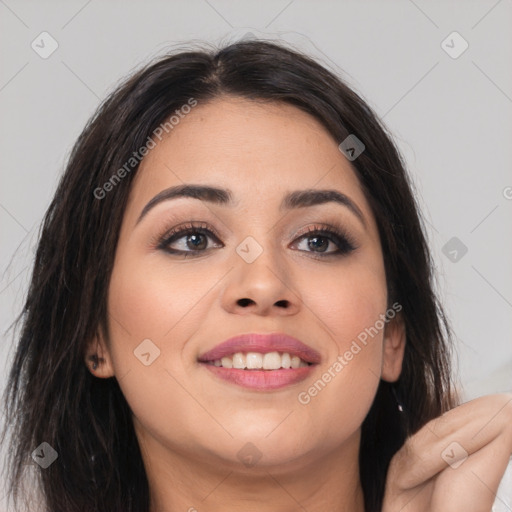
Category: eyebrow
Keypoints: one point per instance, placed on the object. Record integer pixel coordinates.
(224, 197)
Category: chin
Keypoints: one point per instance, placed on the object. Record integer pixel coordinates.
(277, 450)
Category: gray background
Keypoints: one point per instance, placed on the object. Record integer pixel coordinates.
(451, 118)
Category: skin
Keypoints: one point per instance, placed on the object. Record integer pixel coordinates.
(455, 462)
(191, 425)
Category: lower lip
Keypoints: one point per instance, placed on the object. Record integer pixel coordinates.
(262, 380)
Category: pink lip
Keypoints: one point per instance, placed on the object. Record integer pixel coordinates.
(261, 379)
(262, 343)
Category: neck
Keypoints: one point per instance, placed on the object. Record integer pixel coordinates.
(179, 482)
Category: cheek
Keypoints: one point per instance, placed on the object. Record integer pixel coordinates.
(351, 306)
(157, 299)
(165, 303)
(348, 302)
(160, 303)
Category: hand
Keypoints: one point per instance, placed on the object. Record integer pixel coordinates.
(431, 473)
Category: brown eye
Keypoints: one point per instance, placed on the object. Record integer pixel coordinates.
(318, 242)
(188, 240)
(321, 240)
(196, 241)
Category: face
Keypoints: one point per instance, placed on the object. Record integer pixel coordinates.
(192, 272)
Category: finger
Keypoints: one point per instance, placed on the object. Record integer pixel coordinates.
(451, 439)
(473, 485)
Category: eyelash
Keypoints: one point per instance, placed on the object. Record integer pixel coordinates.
(338, 236)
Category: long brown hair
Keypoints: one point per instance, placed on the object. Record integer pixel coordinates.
(51, 396)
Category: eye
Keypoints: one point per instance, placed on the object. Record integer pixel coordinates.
(326, 241)
(188, 239)
(193, 239)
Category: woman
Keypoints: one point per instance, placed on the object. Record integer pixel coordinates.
(231, 308)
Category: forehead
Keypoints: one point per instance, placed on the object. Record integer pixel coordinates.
(259, 150)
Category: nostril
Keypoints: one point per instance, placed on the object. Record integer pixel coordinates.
(244, 302)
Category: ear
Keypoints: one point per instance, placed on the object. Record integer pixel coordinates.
(97, 356)
(393, 349)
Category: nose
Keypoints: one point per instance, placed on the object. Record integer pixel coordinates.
(262, 287)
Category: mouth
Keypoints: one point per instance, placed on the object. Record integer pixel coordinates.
(255, 361)
(261, 361)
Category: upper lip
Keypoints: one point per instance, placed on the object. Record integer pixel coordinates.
(262, 343)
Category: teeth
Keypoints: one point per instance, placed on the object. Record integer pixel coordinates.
(254, 360)
(272, 361)
(239, 361)
(257, 361)
(226, 362)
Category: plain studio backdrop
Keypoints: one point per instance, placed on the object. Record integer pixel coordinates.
(437, 73)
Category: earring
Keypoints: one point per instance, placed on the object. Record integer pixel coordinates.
(94, 359)
(397, 399)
